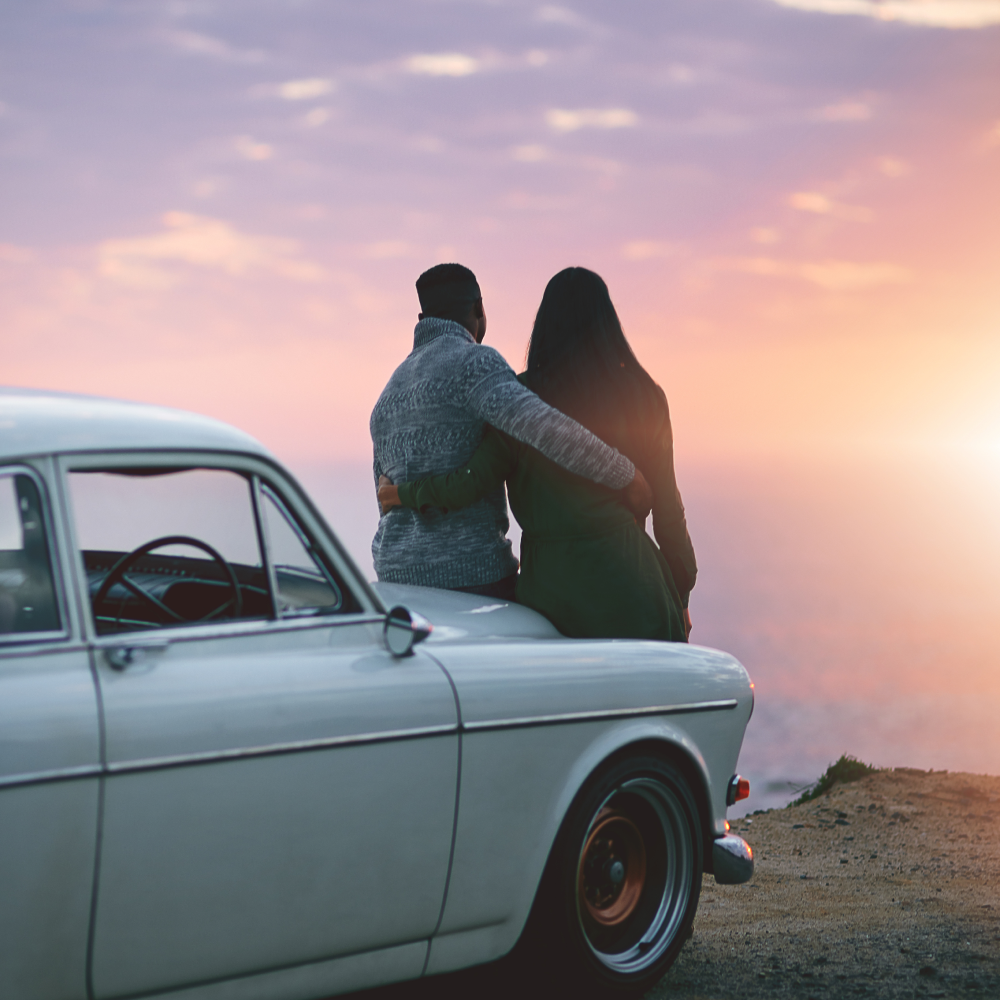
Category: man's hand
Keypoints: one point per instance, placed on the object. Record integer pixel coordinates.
(687, 624)
(388, 495)
(638, 497)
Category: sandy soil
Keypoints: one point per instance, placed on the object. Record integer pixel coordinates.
(887, 887)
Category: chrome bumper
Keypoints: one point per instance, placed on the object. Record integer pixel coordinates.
(732, 860)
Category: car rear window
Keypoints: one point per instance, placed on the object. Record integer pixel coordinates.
(27, 594)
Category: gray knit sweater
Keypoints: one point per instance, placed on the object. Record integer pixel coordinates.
(429, 420)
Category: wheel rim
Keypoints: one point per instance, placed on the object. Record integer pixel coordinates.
(630, 917)
(612, 869)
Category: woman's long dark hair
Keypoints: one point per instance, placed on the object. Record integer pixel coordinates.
(580, 362)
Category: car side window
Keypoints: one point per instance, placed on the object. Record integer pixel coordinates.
(27, 592)
(305, 584)
(166, 547)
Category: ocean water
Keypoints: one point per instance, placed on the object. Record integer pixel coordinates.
(862, 595)
(864, 598)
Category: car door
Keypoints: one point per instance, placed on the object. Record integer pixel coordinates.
(280, 789)
(49, 754)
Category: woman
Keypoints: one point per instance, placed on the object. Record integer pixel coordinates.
(585, 562)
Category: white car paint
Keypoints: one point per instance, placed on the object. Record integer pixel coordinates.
(280, 808)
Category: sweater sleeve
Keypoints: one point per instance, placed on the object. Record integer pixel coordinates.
(493, 461)
(496, 396)
(669, 523)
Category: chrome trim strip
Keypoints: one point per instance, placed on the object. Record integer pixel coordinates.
(594, 716)
(67, 643)
(264, 541)
(45, 777)
(54, 636)
(239, 753)
(232, 630)
(296, 746)
(358, 739)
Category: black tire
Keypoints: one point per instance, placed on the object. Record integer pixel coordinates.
(621, 887)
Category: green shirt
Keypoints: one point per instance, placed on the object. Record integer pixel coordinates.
(585, 563)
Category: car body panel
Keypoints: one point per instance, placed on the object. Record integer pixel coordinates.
(517, 787)
(248, 866)
(263, 690)
(459, 617)
(539, 677)
(48, 714)
(49, 762)
(317, 980)
(240, 830)
(281, 813)
(44, 423)
(49, 789)
(48, 840)
(538, 717)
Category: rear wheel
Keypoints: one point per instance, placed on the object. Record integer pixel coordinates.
(621, 889)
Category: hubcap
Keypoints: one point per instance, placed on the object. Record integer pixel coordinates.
(612, 869)
(635, 875)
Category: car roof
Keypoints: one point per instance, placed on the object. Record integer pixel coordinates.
(37, 422)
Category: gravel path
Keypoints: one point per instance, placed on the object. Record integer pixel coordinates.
(888, 887)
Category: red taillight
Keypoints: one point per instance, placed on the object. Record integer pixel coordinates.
(739, 788)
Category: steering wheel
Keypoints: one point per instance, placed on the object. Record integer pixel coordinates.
(121, 567)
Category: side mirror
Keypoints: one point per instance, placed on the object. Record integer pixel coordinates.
(403, 629)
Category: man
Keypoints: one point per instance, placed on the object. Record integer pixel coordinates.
(429, 420)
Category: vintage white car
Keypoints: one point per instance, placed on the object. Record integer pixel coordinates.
(227, 771)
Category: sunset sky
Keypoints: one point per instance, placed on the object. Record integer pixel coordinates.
(223, 206)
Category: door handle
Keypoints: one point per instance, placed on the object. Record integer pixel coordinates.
(122, 657)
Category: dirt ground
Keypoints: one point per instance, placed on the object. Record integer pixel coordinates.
(887, 887)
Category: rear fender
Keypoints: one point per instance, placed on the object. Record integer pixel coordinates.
(486, 913)
(647, 736)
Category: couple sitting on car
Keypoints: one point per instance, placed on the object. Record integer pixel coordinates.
(582, 440)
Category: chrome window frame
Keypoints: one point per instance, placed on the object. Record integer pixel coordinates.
(63, 633)
(264, 489)
(250, 467)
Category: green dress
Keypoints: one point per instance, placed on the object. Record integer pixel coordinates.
(585, 562)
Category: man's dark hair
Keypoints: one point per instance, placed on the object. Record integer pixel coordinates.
(448, 291)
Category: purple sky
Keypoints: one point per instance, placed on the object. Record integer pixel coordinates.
(185, 185)
(796, 203)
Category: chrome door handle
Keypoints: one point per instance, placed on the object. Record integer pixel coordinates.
(122, 657)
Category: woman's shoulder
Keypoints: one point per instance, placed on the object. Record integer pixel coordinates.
(661, 415)
(657, 401)
(649, 434)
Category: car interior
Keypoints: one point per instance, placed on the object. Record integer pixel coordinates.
(142, 590)
(198, 557)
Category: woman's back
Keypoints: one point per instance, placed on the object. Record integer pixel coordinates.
(632, 416)
(585, 562)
